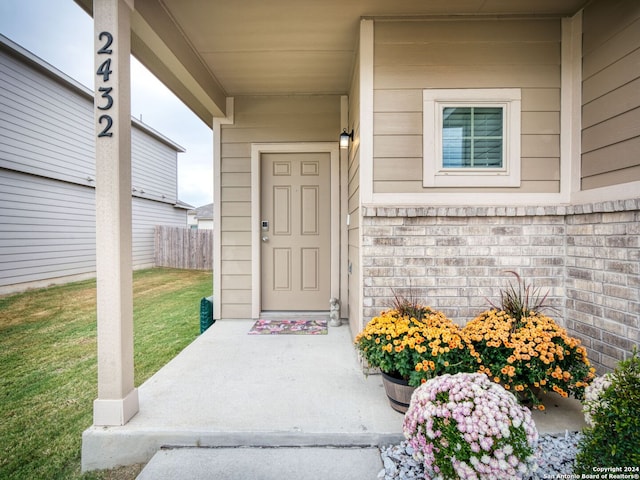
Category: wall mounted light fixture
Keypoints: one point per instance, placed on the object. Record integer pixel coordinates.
(344, 138)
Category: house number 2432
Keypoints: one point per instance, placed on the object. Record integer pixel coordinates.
(104, 72)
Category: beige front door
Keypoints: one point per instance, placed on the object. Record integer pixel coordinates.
(295, 231)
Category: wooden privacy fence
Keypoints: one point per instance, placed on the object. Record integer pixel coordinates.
(183, 248)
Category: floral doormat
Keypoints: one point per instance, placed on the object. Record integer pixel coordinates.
(289, 327)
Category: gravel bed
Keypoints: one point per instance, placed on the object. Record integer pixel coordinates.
(556, 455)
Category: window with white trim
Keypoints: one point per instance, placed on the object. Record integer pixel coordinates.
(471, 137)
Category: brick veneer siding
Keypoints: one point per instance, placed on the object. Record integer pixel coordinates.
(456, 259)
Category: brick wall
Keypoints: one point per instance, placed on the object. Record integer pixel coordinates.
(603, 283)
(456, 260)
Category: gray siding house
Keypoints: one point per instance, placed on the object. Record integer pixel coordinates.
(47, 177)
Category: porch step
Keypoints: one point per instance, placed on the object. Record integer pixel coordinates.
(255, 463)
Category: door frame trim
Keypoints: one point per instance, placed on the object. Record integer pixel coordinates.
(257, 149)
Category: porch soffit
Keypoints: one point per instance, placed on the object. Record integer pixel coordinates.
(207, 50)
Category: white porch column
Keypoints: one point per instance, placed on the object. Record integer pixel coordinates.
(117, 398)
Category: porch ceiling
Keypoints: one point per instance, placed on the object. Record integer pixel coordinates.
(207, 50)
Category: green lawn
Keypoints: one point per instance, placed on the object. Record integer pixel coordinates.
(48, 372)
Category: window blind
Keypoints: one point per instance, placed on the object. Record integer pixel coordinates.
(472, 137)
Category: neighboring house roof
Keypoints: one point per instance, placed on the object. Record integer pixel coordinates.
(183, 205)
(205, 212)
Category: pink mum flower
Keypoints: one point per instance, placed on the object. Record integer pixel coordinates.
(450, 410)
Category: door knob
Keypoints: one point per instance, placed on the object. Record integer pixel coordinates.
(265, 238)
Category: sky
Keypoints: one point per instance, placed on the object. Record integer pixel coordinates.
(61, 33)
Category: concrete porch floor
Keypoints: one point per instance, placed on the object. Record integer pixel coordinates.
(230, 389)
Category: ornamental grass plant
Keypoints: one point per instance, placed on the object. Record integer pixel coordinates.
(464, 426)
(415, 343)
(526, 351)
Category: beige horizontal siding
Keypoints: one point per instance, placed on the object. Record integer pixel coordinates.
(229, 310)
(611, 178)
(397, 123)
(415, 186)
(613, 49)
(236, 179)
(354, 201)
(616, 130)
(540, 146)
(235, 224)
(235, 150)
(354, 242)
(533, 100)
(614, 76)
(623, 154)
(237, 282)
(231, 296)
(411, 56)
(540, 169)
(397, 169)
(476, 54)
(234, 252)
(295, 130)
(541, 99)
(235, 238)
(622, 99)
(235, 194)
(397, 146)
(397, 101)
(474, 76)
(611, 93)
(297, 133)
(537, 123)
(237, 209)
(235, 267)
(354, 227)
(605, 19)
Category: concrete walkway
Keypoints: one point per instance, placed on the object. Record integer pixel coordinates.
(229, 389)
(283, 463)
